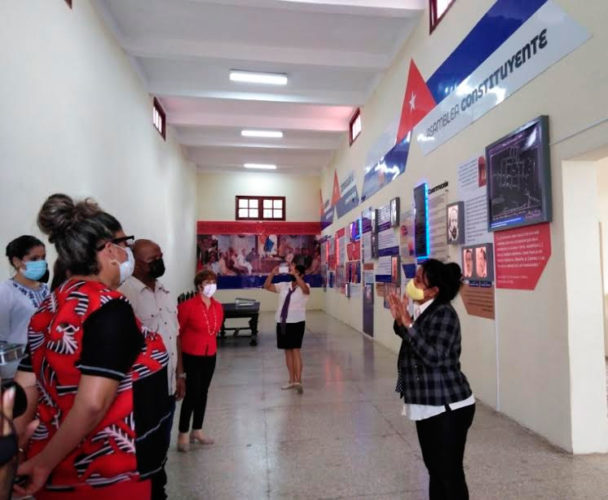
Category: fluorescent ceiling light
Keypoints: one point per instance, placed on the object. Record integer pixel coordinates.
(260, 166)
(267, 134)
(251, 77)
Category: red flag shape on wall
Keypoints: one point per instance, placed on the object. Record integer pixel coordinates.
(335, 196)
(417, 102)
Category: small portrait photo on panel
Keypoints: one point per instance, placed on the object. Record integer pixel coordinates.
(455, 223)
(395, 278)
(467, 263)
(481, 262)
(484, 268)
(481, 172)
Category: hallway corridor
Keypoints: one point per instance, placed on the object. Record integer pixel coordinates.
(345, 437)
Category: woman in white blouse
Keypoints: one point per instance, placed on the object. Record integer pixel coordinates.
(22, 294)
(291, 320)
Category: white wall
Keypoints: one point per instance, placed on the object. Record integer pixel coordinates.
(585, 306)
(601, 167)
(76, 119)
(526, 363)
(216, 195)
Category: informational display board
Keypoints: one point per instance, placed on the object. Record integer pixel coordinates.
(478, 300)
(388, 243)
(519, 177)
(384, 270)
(438, 198)
(406, 243)
(421, 222)
(366, 234)
(383, 215)
(472, 191)
(368, 307)
(521, 256)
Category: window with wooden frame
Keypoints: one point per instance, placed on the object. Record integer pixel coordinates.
(355, 126)
(158, 118)
(260, 208)
(437, 9)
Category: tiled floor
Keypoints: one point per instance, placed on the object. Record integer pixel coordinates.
(345, 437)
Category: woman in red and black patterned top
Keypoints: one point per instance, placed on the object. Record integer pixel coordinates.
(200, 319)
(97, 373)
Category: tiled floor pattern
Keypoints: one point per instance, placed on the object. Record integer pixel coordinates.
(345, 437)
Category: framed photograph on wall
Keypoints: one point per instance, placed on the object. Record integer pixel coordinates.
(421, 221)
(374, 220)
(395, 274)
(374, 239)
(478, 262)
(395, 212)
(519, 177)
(455, 223)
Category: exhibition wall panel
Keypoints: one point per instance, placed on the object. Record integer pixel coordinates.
(521, 362)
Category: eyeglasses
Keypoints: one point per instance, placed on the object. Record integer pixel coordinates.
(124, 241)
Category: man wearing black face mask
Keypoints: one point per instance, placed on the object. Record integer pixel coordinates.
(156, 308)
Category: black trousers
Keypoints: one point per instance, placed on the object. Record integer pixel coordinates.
(442, 440)
(159, 480)
(199, 371)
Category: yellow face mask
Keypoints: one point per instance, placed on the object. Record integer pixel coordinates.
(413, 291)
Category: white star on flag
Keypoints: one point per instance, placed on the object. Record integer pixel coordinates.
(413, 102)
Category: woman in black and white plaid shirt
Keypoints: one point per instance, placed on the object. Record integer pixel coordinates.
(435, 392)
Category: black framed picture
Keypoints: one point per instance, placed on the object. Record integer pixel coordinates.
(478, 262)
(421, 221)
(519, 177)
(455, 223)
(395, 212)
(374, 239)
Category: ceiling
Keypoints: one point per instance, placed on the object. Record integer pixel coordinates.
(334, 53)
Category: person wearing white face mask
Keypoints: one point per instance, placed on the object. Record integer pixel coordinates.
(200, 319)
(21, 295)
(89, 371)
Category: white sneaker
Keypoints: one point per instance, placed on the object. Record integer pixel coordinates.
(299, 387)
(289, 385)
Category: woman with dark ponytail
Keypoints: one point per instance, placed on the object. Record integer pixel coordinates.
(21, 295)
(91, 372)
(435, 392)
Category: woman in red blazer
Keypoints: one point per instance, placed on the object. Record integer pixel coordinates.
(200, 319)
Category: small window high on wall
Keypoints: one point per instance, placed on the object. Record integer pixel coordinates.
(437, 9)
(355, 126)
(158, 118)
(260, 208)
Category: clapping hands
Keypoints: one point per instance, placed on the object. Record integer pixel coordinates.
(398, 308)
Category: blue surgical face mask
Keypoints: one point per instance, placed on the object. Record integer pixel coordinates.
(34, 269)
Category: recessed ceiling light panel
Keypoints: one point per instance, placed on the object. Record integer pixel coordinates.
(253, 77)
(260, 166)
(266, 134)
